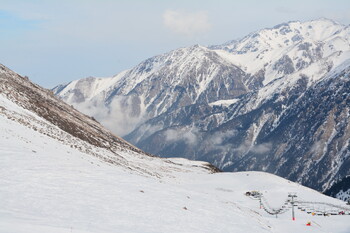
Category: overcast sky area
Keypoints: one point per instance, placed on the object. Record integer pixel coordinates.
(57, 41)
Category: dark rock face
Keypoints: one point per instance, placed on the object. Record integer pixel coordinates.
(284, 65)
(340, 189)
(303, 136)
(311, 135)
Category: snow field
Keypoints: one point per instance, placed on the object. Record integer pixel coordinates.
(49, 187)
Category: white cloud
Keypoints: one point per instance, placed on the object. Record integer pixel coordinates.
(186, 23)
(256, 149)
(118, 117)
(262, 148)
(219, 137)
(189, 136)
(122, 117)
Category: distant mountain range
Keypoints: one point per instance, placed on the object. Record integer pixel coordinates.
(277, 100)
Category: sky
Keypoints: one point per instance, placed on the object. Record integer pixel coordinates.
(57, 41)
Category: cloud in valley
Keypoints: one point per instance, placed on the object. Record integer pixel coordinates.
(262, 148)
(189, 136)
(256, 149)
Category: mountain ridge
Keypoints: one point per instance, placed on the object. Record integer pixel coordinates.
(252, 83)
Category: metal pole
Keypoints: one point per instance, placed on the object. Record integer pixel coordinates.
(293, 216)
(292, 202)
(260, 200)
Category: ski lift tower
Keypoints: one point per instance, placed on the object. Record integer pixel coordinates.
(292, 201)
(259, 195)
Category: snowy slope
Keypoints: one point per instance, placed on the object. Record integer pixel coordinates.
(36, 108)
(127, 159)
(46, 186)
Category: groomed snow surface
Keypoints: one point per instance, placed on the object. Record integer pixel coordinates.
(46, 186)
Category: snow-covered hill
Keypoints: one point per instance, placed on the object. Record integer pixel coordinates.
(55, 178)
(249, 104)
(47, 186)
(39, 110)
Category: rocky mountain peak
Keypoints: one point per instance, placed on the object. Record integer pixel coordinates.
(235, 104)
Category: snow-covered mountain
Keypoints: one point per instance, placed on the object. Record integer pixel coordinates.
(157, 85)
(249, 104)
(61, 171)
(302, 134)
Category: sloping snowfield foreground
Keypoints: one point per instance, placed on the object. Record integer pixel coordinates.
(49, 187)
